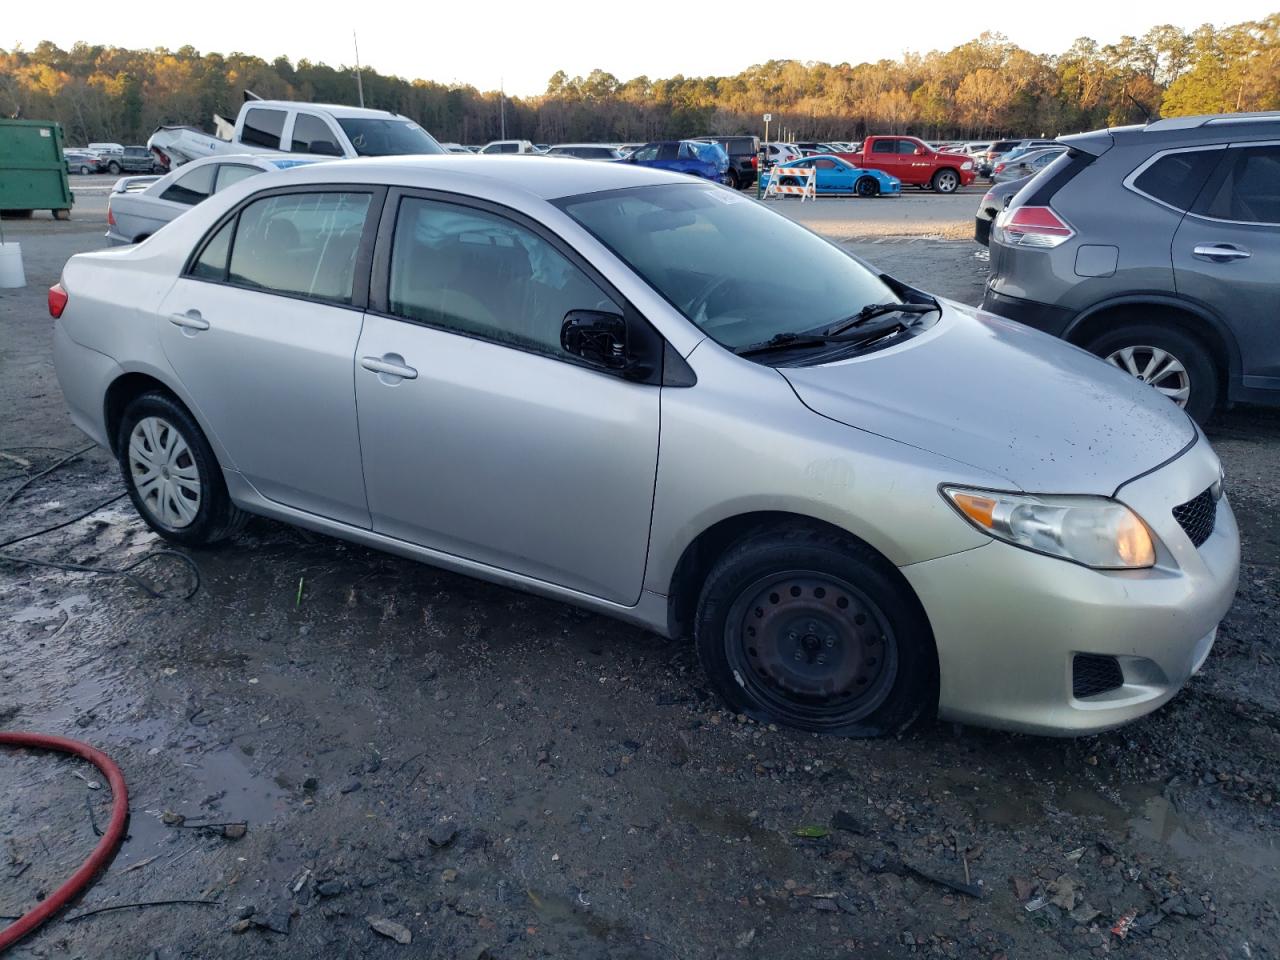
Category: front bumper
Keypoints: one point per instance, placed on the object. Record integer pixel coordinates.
(1008, 622)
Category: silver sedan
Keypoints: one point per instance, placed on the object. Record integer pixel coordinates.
(605, 384)
(139, 206)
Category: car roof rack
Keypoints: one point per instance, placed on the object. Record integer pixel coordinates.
(1213, 120)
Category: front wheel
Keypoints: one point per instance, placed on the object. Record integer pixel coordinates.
(1174, 363)
(113, 167)
(171, 474)
(866, 187)
(945, 181)
(815, 632)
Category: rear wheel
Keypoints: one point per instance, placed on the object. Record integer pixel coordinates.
(171, 474)
(113, 167)
(84, 170)
(866, 187)
(733, 178)
(815, 631)
(1172, 362)
(945, 181)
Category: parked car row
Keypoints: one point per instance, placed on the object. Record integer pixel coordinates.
(110, 158)
(1156, 247)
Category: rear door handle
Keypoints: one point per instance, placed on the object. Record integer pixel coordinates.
(390, 365)
(191, 320)
(1220, 252)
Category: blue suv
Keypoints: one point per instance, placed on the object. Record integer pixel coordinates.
(707, 160)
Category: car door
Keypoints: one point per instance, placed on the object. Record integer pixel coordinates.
(668, 155)
(1226, 253)
(884, 156)
(481, 437)
(261, 330)
(831, 176)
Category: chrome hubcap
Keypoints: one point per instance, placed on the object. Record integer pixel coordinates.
(1155, 367)
(164, 473)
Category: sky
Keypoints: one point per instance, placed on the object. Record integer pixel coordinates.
(519, 44)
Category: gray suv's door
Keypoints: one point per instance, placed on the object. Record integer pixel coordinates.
(480, 437)
(1226, 253)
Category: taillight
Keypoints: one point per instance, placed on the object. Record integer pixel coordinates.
(57, 300)
(999, 167)
(1034, 227)
(755, 162)
(111, 217)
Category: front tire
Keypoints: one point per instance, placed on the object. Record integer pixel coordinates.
(817, 632)
(1173, 362)
(113, 167)
(945, 181)
(171, 474)
(866, 187)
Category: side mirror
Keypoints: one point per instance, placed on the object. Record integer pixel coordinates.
(919, 151)
(597, 337)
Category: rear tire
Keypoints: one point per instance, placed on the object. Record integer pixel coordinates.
(815, 631)
(1170, 360)
(733, 179)
(172, 476)
(113, 167)
(85, 171)
(945, 181)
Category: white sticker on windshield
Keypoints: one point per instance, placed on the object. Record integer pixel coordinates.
(724, 196)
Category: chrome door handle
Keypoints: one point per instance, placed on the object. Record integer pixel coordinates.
(191, 320)
(389, 367)
(1220, 252)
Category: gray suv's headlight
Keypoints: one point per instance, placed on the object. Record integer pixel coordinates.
(1095, 531)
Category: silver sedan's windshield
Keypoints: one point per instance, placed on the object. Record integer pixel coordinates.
(739, 271)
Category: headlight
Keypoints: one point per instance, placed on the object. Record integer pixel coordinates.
(1095, 531)
(967, 165)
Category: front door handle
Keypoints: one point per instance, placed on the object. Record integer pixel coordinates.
(389, 365)
(191, 320)
(1220, 252)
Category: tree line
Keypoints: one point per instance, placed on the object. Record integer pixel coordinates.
(986, 87)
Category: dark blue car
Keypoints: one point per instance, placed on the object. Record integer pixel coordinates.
(707, 160)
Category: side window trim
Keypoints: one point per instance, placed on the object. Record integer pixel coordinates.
(364, 256)
(1129, 182)
(380, 281)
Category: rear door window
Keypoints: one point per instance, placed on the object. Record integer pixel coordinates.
(300, 245)
(1246, 187)
(263, 127)
(667, 151)
(1176, 178)
(193, 186)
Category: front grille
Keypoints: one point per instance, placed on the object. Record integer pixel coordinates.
(1092, 675)
(1197, 516)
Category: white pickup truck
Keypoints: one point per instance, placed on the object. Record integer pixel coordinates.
(320, 129)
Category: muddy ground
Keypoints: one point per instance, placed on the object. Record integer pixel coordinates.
(499, 775)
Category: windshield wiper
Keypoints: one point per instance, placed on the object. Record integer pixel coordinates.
(873, 310)
(790, 341)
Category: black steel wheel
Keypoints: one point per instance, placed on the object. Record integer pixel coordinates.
(817, 632)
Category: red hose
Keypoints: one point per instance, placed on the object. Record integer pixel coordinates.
(101, 853)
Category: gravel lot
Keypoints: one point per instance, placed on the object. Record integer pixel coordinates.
(503, 776)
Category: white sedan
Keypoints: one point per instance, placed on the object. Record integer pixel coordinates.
(139, 206)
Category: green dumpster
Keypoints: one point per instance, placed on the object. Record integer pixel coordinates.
(33, 175)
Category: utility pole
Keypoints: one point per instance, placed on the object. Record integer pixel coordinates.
(502, 106)
(359, 82)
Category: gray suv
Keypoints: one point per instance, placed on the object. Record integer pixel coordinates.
(1156, 247)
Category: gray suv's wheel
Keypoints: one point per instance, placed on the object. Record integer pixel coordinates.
(945, 181)
(815, 631)
(171, 474)
(1173, 362)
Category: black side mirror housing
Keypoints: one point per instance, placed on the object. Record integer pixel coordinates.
(595, 336)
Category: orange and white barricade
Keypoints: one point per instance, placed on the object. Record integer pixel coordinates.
(805, 188)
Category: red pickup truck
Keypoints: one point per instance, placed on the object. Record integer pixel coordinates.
(915, 162)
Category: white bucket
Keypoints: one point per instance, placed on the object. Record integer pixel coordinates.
(11, 274)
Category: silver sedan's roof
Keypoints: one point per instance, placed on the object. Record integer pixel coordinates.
(546, 178)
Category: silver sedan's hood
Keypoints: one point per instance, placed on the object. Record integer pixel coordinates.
(1007, 399)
